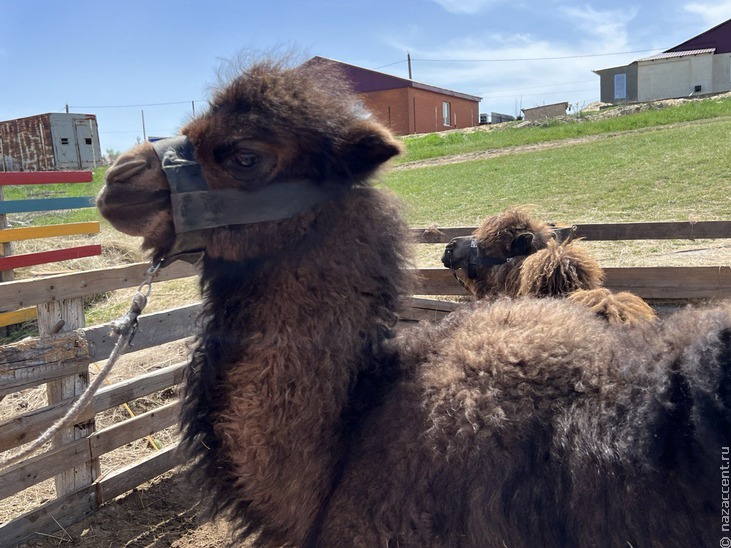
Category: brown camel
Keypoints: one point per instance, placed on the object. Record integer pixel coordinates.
(310, 423)
(512, 254)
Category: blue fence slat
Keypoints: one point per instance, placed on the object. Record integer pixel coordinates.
(46, 204)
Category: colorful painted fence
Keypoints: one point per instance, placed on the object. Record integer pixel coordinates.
(10, 261)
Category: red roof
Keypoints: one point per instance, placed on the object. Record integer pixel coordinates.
(719, 37)
(365, 80)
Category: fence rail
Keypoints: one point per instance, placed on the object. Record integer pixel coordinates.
(54, 357)
(9, 260)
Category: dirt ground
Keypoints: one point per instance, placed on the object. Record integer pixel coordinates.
(160, 513)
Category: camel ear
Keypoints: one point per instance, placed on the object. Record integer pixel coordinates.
(366, 147)
(522, 244)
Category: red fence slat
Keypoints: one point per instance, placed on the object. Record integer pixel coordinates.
(44, 177)
(42, 257)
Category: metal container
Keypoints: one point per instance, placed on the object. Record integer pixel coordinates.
(50, 142)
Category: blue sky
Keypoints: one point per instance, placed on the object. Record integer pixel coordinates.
(116, 59)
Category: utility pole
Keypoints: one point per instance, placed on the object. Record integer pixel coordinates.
(144, 135)
(408, 60)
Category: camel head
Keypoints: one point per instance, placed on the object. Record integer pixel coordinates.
(274, 138)
(497, 241)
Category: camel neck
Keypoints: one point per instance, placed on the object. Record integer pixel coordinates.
(286, 351)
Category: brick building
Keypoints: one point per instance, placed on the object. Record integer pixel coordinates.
(406, 106)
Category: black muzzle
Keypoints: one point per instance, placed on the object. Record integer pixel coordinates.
(197, 209)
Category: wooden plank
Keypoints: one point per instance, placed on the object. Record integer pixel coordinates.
(430, 310)
(45, 520)
(17, 316)
(657, 282)
(48, 231)
(438, 281)
(44, 177)
(28, 363)
(24, 428)
(36, 469)
(33, 470)
(154, 329)
(669, 282)
(603, 231)
(137, 387)
(14, 295)
(44, 257)
(134, 429)
(129, 477)
(47, 204)
(655, 231)
(76, 506)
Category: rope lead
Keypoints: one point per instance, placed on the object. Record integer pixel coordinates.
(125, 328)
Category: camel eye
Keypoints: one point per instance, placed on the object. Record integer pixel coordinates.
(246, 159)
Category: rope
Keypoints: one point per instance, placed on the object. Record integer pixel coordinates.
(125, 328)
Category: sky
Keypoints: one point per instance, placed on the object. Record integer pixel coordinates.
(158, 60)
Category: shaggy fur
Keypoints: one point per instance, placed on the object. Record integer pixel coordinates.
(310, 424)
(620, 307)
(540, 266)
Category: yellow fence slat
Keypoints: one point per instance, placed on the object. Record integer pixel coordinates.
(31, 232)
(17, 316)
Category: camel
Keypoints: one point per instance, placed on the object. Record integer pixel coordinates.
(310, 420)
(512, 254)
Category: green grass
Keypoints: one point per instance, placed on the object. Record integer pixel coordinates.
(669, 170)
(674, 173)
(435, 145)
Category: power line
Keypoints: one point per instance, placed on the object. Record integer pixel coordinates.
(141, 105)
(391, 64)
(531, 58)
(516, 59)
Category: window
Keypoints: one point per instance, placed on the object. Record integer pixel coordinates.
(446, 113)
(620, 86)
(64, 140)
(87, 140)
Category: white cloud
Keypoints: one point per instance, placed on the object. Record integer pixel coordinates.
(465, 6)
(534, 76)
(605, 27)
(712, 14)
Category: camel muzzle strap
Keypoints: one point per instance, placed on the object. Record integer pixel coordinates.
(474, 259)
(197, 209)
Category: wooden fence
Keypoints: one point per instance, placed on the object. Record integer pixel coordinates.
(68, 353)
(9, 261)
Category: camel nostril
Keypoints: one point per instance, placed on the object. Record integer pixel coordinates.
(121, 171)
(447, 259)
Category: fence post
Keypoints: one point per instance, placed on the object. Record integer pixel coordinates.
(56, 317)
(5, 250)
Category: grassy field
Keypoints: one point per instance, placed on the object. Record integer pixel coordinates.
(666, 163)
(434, 145)
(659, 164)
(671, 173)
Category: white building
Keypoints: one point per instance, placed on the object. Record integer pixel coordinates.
(698, 66)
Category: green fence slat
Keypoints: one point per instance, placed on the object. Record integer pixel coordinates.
(46, 204)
